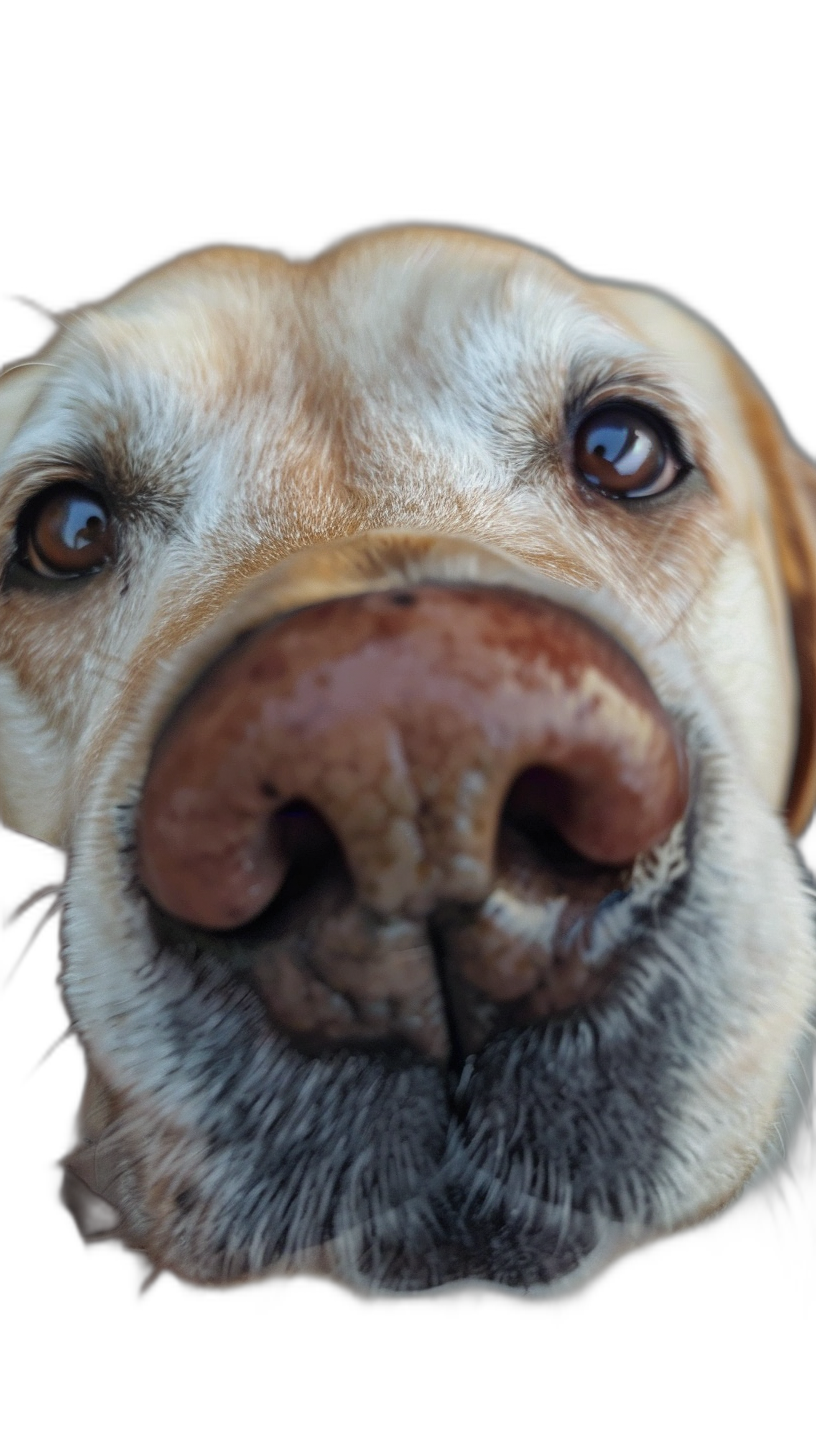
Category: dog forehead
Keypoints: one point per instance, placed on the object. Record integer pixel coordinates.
(406, 374)
(452, 337)
(394, 319)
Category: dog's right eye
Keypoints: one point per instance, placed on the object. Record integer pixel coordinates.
(66, 531)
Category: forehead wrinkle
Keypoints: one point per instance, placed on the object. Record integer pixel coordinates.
(399, 327)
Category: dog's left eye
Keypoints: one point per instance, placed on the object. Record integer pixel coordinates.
(66, 531)
(625, 451)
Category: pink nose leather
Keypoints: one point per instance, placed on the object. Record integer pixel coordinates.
(405, 719)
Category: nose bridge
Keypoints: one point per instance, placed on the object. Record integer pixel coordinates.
(415, 814)
(403, 718)
(398, 749)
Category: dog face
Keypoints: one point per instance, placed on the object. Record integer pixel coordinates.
(413, 652)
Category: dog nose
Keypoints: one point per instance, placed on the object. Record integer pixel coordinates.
(407, 721)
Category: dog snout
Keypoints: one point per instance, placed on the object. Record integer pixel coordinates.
(385, 762)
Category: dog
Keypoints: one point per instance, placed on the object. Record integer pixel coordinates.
(414, 651)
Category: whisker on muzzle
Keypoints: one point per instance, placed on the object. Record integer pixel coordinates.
(20, 910)
(29, 902)
(63, 1037)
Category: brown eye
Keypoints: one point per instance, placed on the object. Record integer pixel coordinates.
(66, 531)
(625, 452)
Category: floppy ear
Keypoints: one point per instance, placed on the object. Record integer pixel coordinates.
(791, 480)
(796, 525)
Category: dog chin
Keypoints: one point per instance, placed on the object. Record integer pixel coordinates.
(225, 1148)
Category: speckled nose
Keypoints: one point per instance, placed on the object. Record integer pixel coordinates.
(401, 727)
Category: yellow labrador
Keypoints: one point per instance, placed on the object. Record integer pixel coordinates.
(414, 652)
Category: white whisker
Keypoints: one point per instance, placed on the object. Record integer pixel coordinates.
(29, 902)
(52, 910)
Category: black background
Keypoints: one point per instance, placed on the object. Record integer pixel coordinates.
(101, 194)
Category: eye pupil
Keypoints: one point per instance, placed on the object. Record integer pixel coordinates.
(625, 452)
(66, 531)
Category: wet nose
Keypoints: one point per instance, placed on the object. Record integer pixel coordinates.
(401, 727)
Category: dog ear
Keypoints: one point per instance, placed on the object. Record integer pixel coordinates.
(796, 533)
(791, 480)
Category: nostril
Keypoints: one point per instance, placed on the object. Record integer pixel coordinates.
(311, 859)
(304, 835)
(313, 875)
(534, 797)
(311, 851)
(538, 798)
